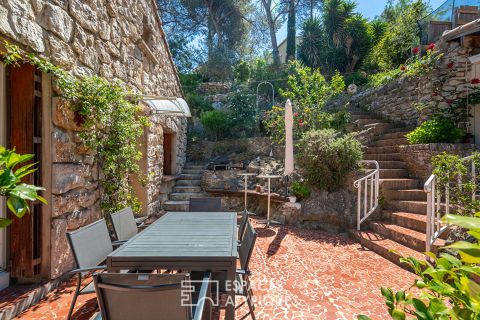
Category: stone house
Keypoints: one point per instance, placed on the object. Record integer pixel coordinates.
(116, 39)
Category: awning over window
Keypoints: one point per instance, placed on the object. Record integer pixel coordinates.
(168, 106)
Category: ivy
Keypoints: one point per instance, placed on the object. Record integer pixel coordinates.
(108, 112)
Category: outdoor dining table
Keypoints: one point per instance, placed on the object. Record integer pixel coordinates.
(193, 241)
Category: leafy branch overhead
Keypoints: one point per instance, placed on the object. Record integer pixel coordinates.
(14, 167)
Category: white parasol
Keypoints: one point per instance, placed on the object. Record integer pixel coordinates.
(288, 139)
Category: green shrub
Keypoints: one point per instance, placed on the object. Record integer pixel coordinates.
(301, 190)
(215, 123)
(435, 131)
(326, 158)
(241, 113)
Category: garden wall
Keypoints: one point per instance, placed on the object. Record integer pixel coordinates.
(418, 157)
(117, 40)
(396, 100)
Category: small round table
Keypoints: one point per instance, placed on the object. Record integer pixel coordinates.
(269, 178)
(245, 178)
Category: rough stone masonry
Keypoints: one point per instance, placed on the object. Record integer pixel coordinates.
(116, 39)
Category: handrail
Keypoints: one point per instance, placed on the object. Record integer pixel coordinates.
(436, 208)
(367, 197)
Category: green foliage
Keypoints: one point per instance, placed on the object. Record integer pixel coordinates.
(308, 91)
(215, 123)
(241, 71)
(241, 114)
(414, 66)
(13, 168)
(111, 118)
(451, 170)
(359, 78)
(401, 34)
(301, 190)
(440, 130)
(325, 158)
(447, 287)
(339, 41)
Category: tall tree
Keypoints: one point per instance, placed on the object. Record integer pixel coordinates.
(291, 30)
(274, 13)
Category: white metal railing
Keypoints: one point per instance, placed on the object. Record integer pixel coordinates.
(367, 194)
(438, 205)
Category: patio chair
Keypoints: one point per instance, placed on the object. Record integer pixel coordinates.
(124, 225)
(243, 274)
(90, 246)
(151, 296)
(242, 225)
(205, 204)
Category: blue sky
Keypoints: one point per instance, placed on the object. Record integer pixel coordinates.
(368, 8)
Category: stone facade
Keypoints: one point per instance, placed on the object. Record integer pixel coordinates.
(116, 39)
(418, 157)
(396, 100)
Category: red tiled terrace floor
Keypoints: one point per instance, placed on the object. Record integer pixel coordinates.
(297, 274)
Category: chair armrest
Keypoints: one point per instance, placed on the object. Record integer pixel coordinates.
(80, 270)
(118, 243)
(203, 296)
(244, 272)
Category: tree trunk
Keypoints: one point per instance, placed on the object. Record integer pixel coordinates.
(291, 32)
(273, 35)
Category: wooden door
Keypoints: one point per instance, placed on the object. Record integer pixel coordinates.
(167, 153)
(25, 135)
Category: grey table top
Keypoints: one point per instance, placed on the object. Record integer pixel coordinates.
(183, 236)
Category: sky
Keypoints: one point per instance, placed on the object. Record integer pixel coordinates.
(368, 8)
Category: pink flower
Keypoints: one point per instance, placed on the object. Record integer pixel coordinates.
(296, 114)
(475, 81)
(403, 68)
(431, 46)
(300, 123)
(450, 65)
(415, 50)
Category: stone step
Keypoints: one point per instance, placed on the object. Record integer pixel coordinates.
(399, 184)
(377, 150)
(188, 183)
(190, 177)
(382, 156)
(389, 142)
(398, 129)
(354, 117)
(393, 173)
(187, 189)
(394, 135)
(410, 238)
(414, 221)
(408, 194)
(176, 205)
(362, 122)
(392, 165)
(192, 171)
(179, 196)
(385, 247)
(378, 125)
(419, 207)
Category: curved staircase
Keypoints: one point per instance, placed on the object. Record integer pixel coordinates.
(401, 230)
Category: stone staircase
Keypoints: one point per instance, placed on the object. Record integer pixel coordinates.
(401, 229)
(187, 186)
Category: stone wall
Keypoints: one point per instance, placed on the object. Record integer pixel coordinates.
(418, 157)
(240, 149)
(116, 39)
(396, 100)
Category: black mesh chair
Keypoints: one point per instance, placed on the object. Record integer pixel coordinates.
(125, 225)
(242, 225)
(152, 297)
(90, 246)
(205, 204)
(245, 251)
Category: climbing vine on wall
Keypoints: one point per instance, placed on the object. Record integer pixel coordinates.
(110, 115)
